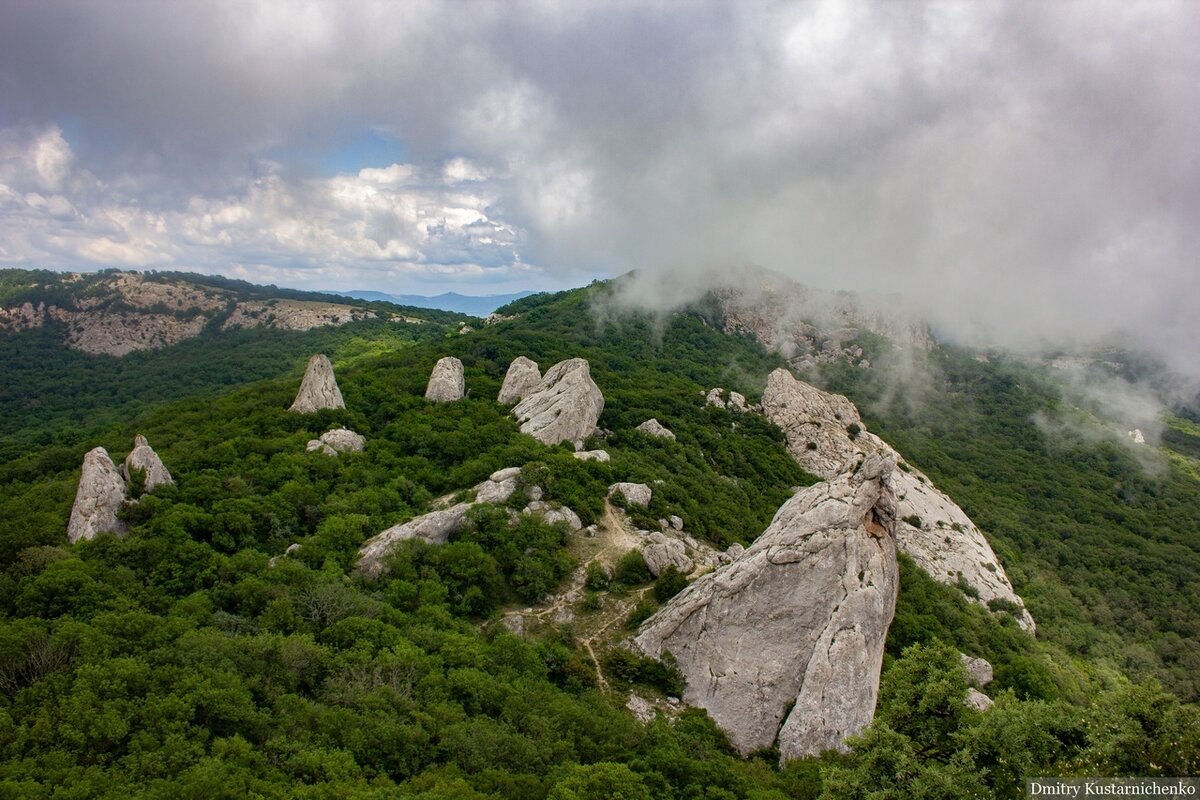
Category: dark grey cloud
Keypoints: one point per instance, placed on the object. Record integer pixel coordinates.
(1023, 171)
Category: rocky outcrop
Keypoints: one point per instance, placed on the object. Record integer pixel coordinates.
(98, 498)
(318, 389)
(143, 459)
(826, 436)
(662, 552)
(653, 427)
(979, 670)
(552, 514)
(635, 494)
(436, 527)
(522, 378)
(338, 440)
(798, 620)
(736, 402)
(564, 407)
(978, 700)
(592, 455)
(293, 315)
(446, 381)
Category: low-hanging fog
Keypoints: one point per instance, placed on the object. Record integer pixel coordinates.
(1024, 174)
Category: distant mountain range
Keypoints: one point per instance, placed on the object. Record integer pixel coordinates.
(475, 305)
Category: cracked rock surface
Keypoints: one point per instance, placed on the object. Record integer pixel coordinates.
(98, 498)
(564, 407)
(521, 379)
(797, 620)
(318, 389)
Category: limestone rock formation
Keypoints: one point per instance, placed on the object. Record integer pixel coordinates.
(552, 514)
(522, 377)
(653, 427)
(446, 381)
(663, 552)
(592, 455)
(338, 440)
(979, 670)
(800, 618)
(143, 458)
(564, 407)
(499, 486)
(434, 528)
(319, 388)
(635, 494)
(713, 398)
(437, 526)
(978, 700)
(826, 436)
(98, 498)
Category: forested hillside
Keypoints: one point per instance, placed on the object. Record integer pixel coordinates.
(191, 658)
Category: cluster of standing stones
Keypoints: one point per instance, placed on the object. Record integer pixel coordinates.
(782, 642)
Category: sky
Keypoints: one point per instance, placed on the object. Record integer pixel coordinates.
(1023, 172)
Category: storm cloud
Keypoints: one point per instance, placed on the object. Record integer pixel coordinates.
(1026, 173)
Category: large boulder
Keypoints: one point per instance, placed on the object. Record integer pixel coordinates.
(552, 514)
(797, 621)
(522, 378)
(319, 388)
(98, 498)
(564, 407)
(143, 459)
(635, 494)
(592, 455)
(446, 382)
(826, 436)
(662, 552)
(338, 440)
(653, 427)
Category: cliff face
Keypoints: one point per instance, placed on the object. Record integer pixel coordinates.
(798, 619)
(126, 312)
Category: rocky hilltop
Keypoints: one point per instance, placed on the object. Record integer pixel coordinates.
(797, 621)
(826, 435)
(120, 312)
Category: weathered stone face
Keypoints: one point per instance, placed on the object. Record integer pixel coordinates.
(143, 458)
(800, 617)
(446, 382)
(826, 436)
(522, 378)
(318, 389)
(338, 440)
(98, 498)
(635, 494)
(565, 407)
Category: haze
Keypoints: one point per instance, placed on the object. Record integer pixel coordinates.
(1024, 173)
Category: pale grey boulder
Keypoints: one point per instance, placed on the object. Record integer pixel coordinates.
(662, 552)
(826, 436)
(318, 389)
(635, 494)
(446, 383)
(798, 620)
(499, 486)
(713, 398)
(98, 498)
(653, 427)
(978, 700)
(592, 455)
(979, 670)
(565, 406)
(338, 440)
(737, 402)
(522, 378)
(552, 514)
(143, 458)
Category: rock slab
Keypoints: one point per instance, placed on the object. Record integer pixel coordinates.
(564, 407)
(338, 440)
(98, 498)
(635, 494)
(446, 383)
(799, 619)
(318, 389)
(522, 378)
